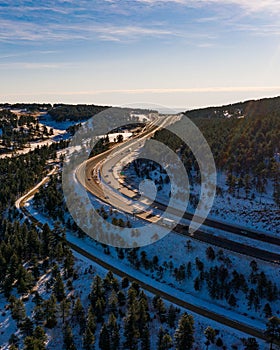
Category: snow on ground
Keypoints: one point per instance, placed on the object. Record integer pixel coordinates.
(260, 213)
(47, 120)
(86, 271)
(17, 204)
(227, 334)
(7, 324)
(173, 247)
(58, 135)
(141, 117)
(163, 198)
(113, 136)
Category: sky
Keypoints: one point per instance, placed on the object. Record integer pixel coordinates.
(179, 53)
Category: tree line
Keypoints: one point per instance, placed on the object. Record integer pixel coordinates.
(17, 131)
(246, 149)
(18, 174)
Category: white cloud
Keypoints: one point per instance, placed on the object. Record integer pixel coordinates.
(255, 6)
(83, 20)
(10, 31)
(219, 89)
(35, 65)
(272, 6)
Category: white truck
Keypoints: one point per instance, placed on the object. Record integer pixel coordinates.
(167, 222)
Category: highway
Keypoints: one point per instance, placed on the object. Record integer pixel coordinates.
(93, 185)
(123, 200)
(238, 230)
(129, 190)
(88, 176)
(236, 325)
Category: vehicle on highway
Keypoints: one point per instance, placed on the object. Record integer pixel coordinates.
(167, 222)
(137, 210)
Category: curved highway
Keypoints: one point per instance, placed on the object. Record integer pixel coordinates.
(242, 327)
(123, 199)
(93, 185)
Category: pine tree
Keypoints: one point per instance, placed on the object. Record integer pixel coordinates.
(210, 335)
(184, 335)
(18, 310)
(171, 317)
(8, 285)
(14, 347)
(104, 341)
(97, 290)
(59, 288)
(125, 282)
(143, 315)
(113, 301)
(88, 339)
(40, 334)
(31, 343)
(50, 311)
(121, 298)
(160, 337)
(166, 342)
(68, 338)
(145, 339)
(64, 309)
(114, 333)
(91, 320)
(267, 310)
(197, 285)
(99, 309)
(39, 315)
(108, 281)
(272, 331)
(69, 264)
(46, 237)
(37, 299)
(210, 253)
(232, 300)
(79, 313)
(131, 331)
(132, 298)
(250, 344)
(14, 340)
(161, 310)
(59, 253)
(27, 327)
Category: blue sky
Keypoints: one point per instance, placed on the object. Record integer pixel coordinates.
(180, 53)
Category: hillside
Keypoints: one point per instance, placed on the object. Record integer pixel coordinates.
(245, 146)
(254, 108)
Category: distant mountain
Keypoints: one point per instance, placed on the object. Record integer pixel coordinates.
(266, 106)
(62, 112)
(28, 107)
